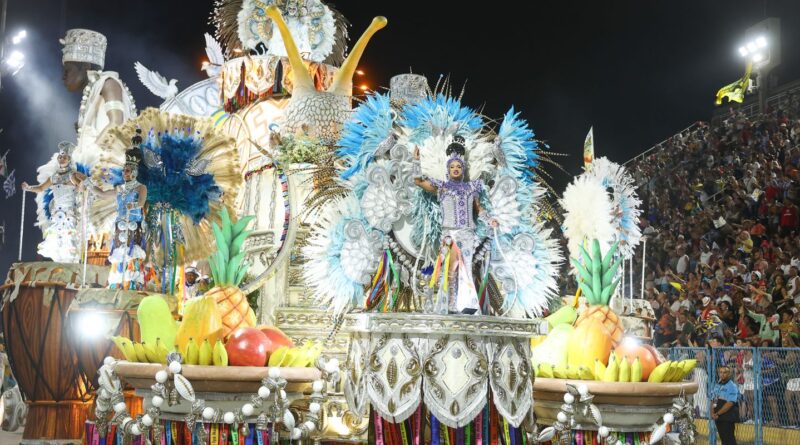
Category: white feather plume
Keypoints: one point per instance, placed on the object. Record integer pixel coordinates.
(587, 214)
(155, 82)
(624, 203)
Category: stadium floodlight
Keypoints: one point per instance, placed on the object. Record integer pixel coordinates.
(755, 50)
(15, 61)
(19, 37)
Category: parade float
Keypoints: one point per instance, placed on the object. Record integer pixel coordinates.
(401, 254)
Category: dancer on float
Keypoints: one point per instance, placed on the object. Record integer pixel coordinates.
(460, 201)
(127, 256)
(106, 102)
(60, 208)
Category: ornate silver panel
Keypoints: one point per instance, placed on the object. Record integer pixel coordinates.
(394, 375)
(511, 378)
(455, 379)
(356, 382)
(451, 359)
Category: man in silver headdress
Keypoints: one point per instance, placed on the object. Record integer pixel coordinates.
(106, 101)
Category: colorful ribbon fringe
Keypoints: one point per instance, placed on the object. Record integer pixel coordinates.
(488, 428)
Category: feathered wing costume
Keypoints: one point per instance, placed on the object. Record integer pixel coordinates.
(58, 209)
(518, 259)
(190, 169)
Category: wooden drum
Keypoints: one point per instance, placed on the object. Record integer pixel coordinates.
(94, 316)
(36, 299)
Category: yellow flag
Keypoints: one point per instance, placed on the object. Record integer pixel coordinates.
(676, 286)
(588, 149)
(735, 91)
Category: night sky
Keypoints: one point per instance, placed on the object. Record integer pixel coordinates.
(637, 70)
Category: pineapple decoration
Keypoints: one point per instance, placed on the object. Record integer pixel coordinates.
(228, 269)
(596, 281)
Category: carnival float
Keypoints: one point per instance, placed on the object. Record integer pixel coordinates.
(385, 273)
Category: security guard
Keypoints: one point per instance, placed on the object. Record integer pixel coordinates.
(725, 406)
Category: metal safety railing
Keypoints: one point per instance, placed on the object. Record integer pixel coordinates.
(768, 380)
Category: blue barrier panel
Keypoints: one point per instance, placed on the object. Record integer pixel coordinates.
(768, 382)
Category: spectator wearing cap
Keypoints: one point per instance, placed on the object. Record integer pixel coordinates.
(726, 313)
(705, 312)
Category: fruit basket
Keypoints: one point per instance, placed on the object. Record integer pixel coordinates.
(625, 406)
(219, 379)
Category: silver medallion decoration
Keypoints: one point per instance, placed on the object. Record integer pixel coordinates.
(383, 202)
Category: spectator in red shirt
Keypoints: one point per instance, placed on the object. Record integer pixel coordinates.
(788, 218)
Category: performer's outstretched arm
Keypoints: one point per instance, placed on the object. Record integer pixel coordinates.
(421, 182)
(39, 188)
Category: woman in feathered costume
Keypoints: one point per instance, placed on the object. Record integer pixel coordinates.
(59, 208)
(181, 171)
(459, 200)
(128, 255)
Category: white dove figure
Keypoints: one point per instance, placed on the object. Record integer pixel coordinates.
(215, 58)
(156, 83)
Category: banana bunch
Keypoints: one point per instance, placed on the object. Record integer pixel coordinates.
(622, 370)
(141, 352)
(204, 354)
(672, 371)
(597, 273)
(296, 357)
(546, 370)
(619, 370)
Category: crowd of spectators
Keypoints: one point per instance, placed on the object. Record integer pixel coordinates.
(720, 211)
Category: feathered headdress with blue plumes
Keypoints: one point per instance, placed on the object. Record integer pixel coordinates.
(190, 169)
(170, 181)
(438, 114)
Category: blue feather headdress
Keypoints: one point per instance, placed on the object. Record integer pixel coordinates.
(190, 169)
(170, 183)
(439, 113)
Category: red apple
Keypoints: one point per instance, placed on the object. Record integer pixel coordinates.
(248, 347)
(277, 336)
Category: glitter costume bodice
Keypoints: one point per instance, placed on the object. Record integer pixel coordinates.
(128, 193)
(457, 200)
(63, 190)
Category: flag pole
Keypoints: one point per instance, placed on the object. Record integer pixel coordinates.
(84, 240)
(22, 226)
(644, 261)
